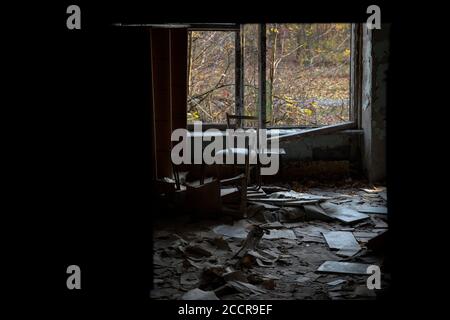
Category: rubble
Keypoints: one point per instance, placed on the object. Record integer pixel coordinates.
(272, 189)
(342, 213)
(196, 251)
(244, 287)
(343, 267)
(376, 210)
(266, 281)
(266, 206)
(251, 241)
(280, 251)
(198, 294)
(280, 234)
(220, 243)
(238, 230)
(308, 277)
(343, 241)
(336, 282)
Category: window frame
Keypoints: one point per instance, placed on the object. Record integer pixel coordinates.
(238, 66)
(355, 79)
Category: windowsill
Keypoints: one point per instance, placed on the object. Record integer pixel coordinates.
(316, 131)
(291, 132)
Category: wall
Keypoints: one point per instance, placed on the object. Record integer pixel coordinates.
(169, 65)
(373, 117)
(332, 155)
(342, 145)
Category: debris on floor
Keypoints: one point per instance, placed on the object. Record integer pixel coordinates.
(246, 288)
(343, 267)
(342, 241)
(198, 294)
(377, 210)
(336, 282)
(280, 234)
(342, 213)
(292, 245)
(238, 230)
(252, 240)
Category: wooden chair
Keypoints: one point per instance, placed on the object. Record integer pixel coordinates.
(234, 191)
(210, 196)
(207, 200)
(243, 122)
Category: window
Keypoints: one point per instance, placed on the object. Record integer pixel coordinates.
(308, 74)
(307, 80)
(251, 71)
(211, 76)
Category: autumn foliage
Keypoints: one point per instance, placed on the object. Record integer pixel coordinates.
(307, 79)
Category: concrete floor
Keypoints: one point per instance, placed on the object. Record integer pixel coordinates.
(299, 247)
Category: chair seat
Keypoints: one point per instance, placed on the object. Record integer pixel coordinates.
(236, 151)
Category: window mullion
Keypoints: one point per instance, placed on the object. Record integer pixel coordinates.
(239, 73)
(262, 75)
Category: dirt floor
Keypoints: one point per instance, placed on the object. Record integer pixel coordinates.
(284, 264)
